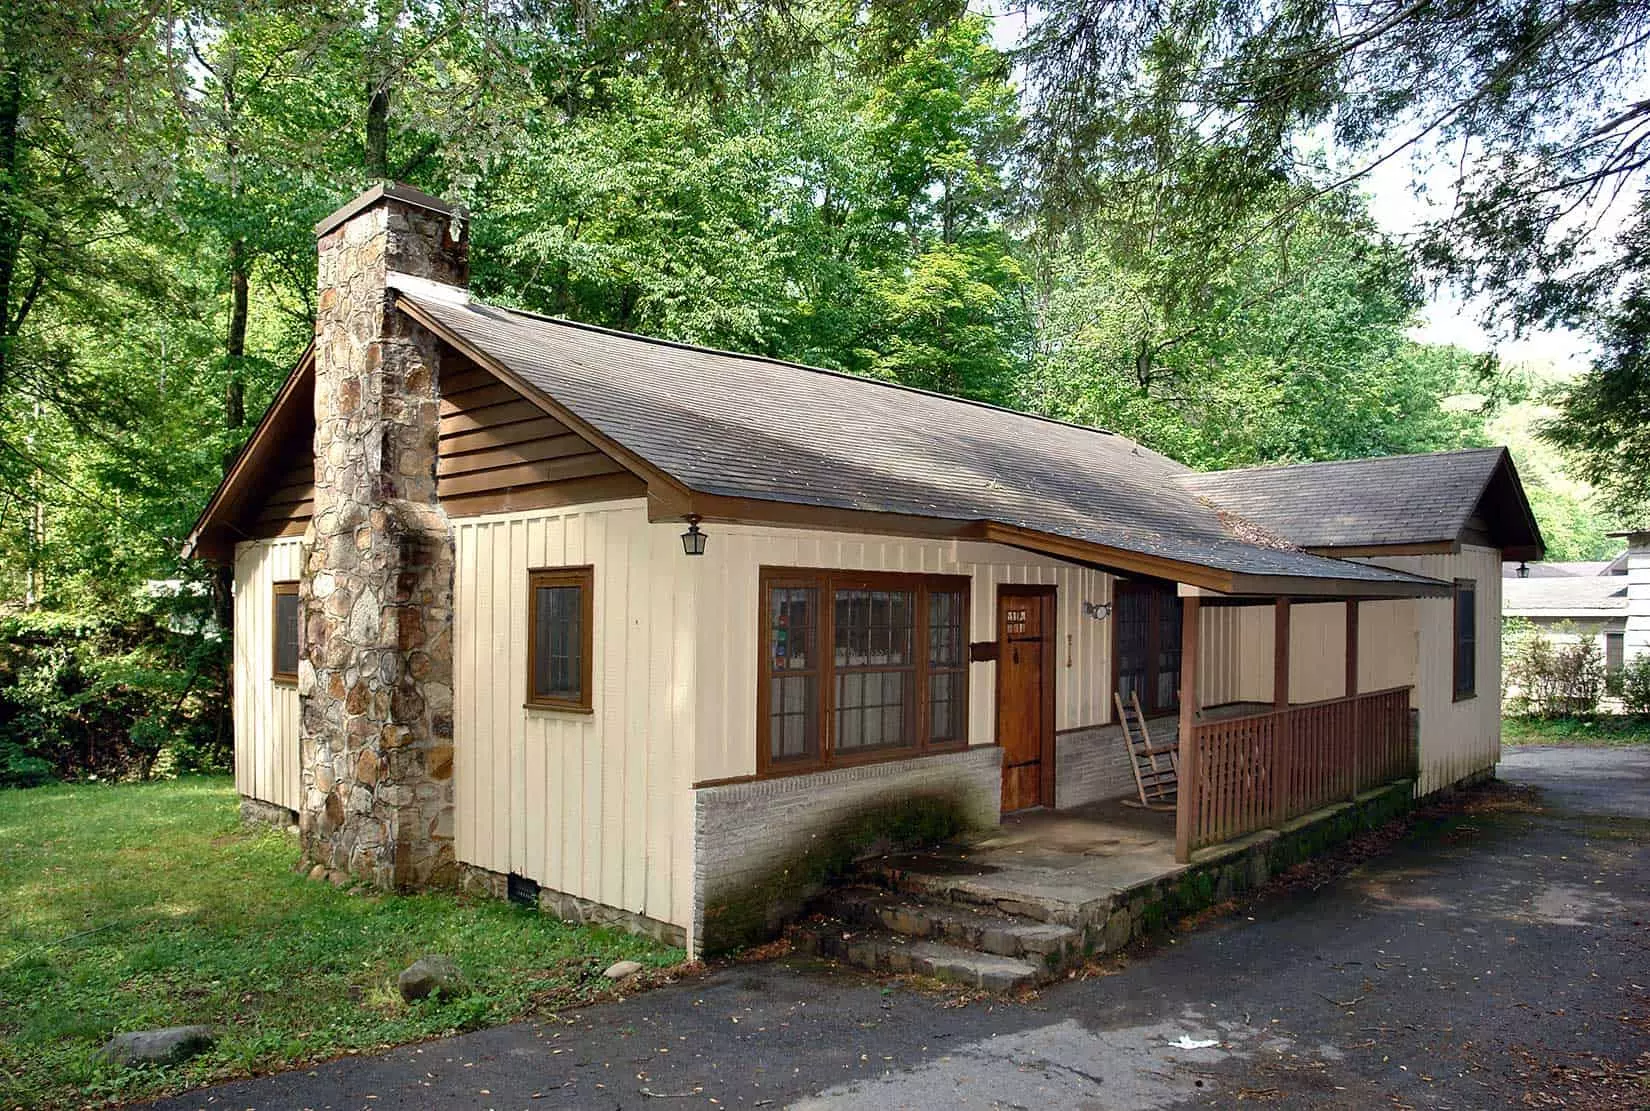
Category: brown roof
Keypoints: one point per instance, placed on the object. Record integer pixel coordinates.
(1385, 501)
(740, 426)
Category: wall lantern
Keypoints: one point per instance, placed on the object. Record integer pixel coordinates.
(1523, 570)
(693, 541)
(1097, 610)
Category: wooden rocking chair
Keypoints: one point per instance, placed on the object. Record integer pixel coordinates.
(1156, 769)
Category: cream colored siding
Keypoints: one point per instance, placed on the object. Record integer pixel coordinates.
(596, 805)
(1461, 738)
(1238, 653)
(730, 643)
(266, 712)
(1388, 645)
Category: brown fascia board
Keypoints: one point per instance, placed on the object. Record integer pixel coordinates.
(1351, 551)
(240, 469)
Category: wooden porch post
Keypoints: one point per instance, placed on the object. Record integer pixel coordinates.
(1186, 787)
(1280, 656)
(1351, 647)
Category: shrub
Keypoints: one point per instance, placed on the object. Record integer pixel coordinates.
(1634, 683)
(1555, 680)
(110, 695)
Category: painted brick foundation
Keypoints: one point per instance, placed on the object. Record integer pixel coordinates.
(757, 843)
(571, 908)
(1093, 764)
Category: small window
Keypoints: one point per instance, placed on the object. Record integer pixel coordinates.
(1466, 639)
(285, 667)
(559, 649)
(1615, 652)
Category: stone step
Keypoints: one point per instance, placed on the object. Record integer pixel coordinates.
(882, 951)
(942, 879)
(1048, 944)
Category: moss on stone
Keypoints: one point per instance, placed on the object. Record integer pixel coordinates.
(756, 911)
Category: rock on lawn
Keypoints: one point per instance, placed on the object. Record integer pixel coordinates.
(432, 975)
(159, 1047)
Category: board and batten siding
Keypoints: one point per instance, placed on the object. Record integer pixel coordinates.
(730, 641)
(266, 712)
(597, 805)
(1458, 739)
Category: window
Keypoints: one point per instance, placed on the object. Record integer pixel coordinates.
(1146, 649)
(1615, 652)
(860, 666)
(1466, 639)
(285, 667)
(560, 630)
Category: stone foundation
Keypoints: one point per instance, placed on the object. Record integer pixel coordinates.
(257, 811)
(764, 847)
(571, 908)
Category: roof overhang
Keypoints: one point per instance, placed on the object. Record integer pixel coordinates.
(214, 532)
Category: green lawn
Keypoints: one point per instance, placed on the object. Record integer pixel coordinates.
(128, 907)
(1607, 730)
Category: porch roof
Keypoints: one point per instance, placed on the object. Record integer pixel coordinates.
(724, 434)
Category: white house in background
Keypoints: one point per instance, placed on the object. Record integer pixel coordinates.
(624, 625)
(1568, 602)
(1637, 640)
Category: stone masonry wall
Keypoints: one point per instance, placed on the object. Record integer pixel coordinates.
(375, 673)
(747, 833)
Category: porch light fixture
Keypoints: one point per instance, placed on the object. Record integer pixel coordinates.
(693, 541)
(1523, 570)
(1097, 610)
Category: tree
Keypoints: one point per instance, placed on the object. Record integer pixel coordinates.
(1538, 104)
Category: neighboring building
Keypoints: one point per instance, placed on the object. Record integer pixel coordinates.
(627, 624)
(1568, 602)
(1636, 642)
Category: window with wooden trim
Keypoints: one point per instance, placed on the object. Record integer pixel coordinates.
(1466, 639)
(1146, 632)
(284, 667)
(860, 666)
(560, 638)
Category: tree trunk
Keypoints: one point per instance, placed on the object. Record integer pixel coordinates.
(11, 232)
(234, 399)
(378, 130)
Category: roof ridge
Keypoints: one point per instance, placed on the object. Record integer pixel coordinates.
(1494, 448)
(793, 365)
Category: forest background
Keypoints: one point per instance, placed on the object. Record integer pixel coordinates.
(1139, 216)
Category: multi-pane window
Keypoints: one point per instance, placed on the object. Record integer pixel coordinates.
(285, 666)
(1466, 638)
(1146, 624)
(861, 665)
(559, 621)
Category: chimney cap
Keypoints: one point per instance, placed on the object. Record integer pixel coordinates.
(390, 190)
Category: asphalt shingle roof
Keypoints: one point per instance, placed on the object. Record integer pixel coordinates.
(726, 424)
(1396, 499)
(1573, 596)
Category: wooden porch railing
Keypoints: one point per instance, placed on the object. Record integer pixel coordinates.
(1260, 770)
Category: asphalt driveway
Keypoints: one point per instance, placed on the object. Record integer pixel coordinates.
(1497, 955)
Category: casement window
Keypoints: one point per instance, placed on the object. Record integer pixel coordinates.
(1146, 646)
(560, 631)
(285, 648)
(1466, 639)
(859, 666)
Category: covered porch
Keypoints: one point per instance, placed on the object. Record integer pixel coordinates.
(1248, 765)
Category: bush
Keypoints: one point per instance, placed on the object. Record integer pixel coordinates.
(1553, 681)
(110, 696)
(1634, 683)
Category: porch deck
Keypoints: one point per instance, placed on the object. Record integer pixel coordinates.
(1060, 866)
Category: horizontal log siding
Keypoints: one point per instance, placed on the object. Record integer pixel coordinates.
(291, 501)
(501, 453)
(730, 642)
(595, 805)
(265, 712)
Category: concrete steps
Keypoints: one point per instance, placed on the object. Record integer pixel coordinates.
(884, 951)
(882, 930)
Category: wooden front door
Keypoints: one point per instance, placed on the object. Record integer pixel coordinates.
(1025, 694)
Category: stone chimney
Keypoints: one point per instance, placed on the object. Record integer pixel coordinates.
(375, 677)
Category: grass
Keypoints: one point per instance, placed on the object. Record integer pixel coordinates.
(1605, 730)
(136, 906)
